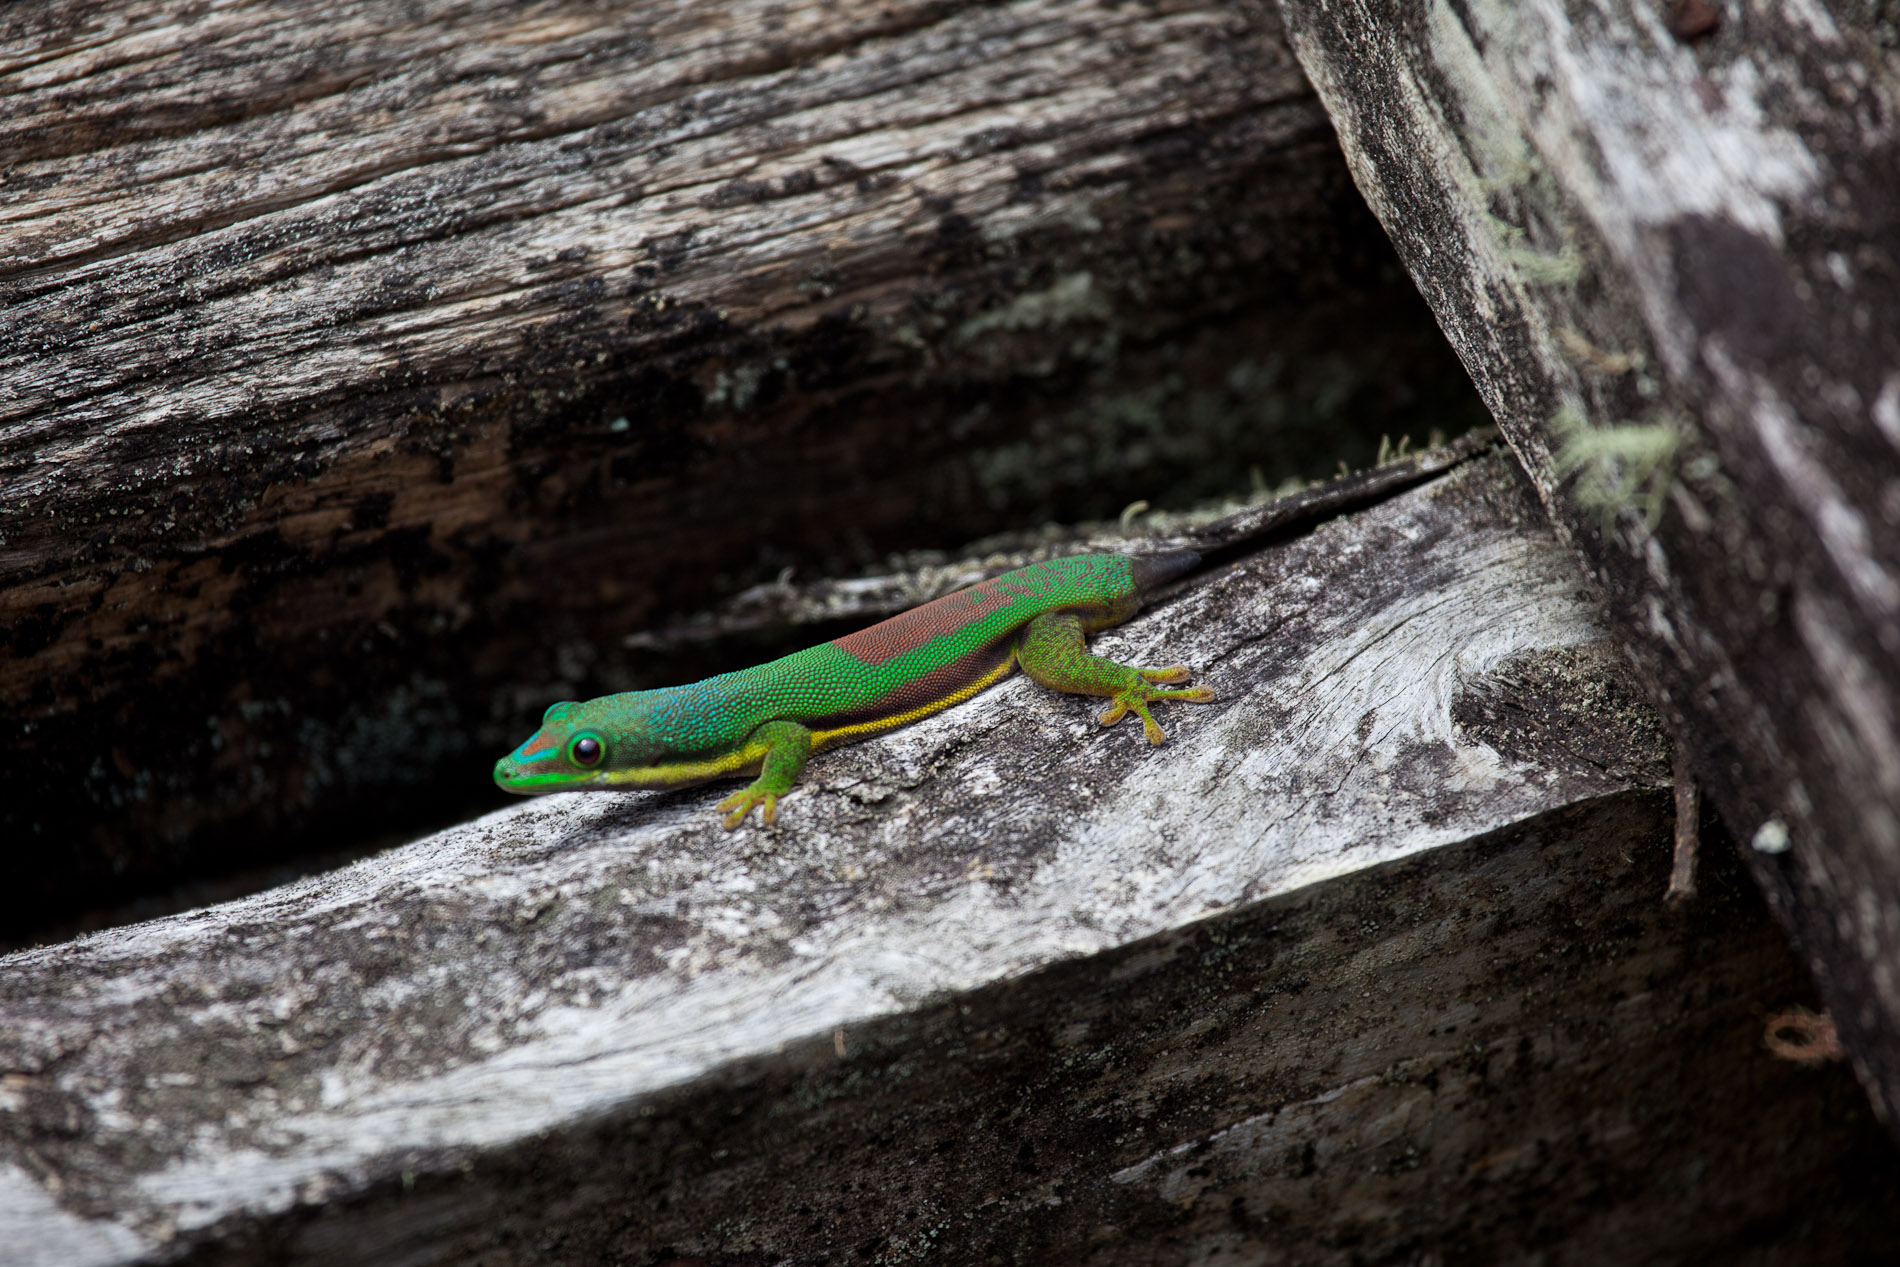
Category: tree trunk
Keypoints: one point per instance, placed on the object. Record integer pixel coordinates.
(1370, 956)
(1665, 239)
(373, 372)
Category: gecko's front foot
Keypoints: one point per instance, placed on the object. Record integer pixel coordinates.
(784, 746)
(739, 804)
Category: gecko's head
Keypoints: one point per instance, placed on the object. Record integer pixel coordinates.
(590, 745)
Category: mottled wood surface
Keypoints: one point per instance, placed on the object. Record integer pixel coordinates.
(1387, 917)
(372, 371)
(1670, 256)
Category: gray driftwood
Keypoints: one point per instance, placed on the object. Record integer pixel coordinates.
(1666, 240)
(1370, 957)
(371, 372)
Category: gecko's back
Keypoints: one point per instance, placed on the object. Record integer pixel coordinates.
(941, 652)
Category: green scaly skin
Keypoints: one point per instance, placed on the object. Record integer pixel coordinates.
(767, 720)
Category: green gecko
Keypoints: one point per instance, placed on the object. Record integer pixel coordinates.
(767, 720)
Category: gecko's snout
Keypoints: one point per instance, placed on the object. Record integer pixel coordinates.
(533, 772)
(513, 776)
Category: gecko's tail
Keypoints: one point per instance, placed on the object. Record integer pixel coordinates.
(1152, 571)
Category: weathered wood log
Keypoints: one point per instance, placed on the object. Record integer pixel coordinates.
(370, 376)
(1371, 951)
(1671, 259)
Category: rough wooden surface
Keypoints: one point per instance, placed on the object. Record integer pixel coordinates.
(1670, 256)
(372, 371)
(1494, 1052)
(557, 1034)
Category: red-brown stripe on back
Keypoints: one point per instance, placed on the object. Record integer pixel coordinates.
(888, 639)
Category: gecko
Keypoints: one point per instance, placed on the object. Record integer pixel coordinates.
(767, 720)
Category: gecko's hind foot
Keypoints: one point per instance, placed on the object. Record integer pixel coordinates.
(739, 804)
(1125, 704)
(1136, 700)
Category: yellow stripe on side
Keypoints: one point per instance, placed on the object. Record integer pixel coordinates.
(680, 773)
(822, 739)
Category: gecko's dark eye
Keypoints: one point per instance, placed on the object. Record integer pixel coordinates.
(585, 751)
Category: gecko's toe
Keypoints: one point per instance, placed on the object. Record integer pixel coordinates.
(735, 808)
(1155, 734)
(1167, 673)
(1113, 713)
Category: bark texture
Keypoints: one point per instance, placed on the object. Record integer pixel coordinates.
(1369, 960)
(372, 371)
(1668, 249)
